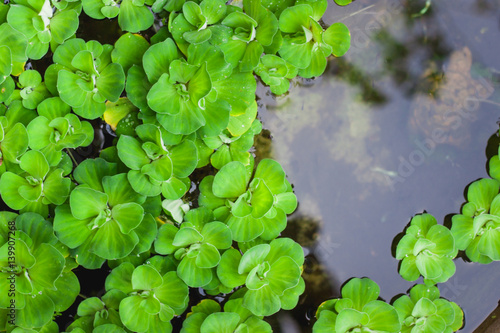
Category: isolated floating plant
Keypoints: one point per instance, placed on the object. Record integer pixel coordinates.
(359, 310)
(477, 229)
(427, 249)
(424, 311)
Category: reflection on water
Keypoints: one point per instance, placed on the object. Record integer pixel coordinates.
(398, 126)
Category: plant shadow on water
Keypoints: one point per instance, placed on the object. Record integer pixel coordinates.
(357, 144)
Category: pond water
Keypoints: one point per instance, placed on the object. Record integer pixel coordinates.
(401, 124)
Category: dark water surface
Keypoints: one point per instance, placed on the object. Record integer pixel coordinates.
(368, 145)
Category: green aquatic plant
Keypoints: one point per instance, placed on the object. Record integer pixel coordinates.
(196, 244)
(133, 15)
(193, 23)
(36, 186)
(251, 206)
(94, 312)
(153, 295)
(477, 229)
(104, 218)
(276, 73)
(359, 310)
(84, 76)
(270, 272)
(424, 311)
(14, 138)
(156, 166)
(305, 44)
(206, 317)
(32, 270)
(56, 129)
(229, 148)
(252, 30)
(41, 25)
(427, 249)
(33, 90)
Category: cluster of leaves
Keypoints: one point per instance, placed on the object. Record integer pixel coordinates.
(361, 310)
(427, 249)
(179, 101)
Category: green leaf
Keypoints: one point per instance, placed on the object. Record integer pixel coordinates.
(338, 37)
(213, 10)
(489, 244)
(14, 143)
(361, 292)
(284, 274)
(56, 187)
(158, 57)
(110, 243)
(15, 40)
(186, 237)
(92, 171)
(86, 202)
(208, 256)
(63, 25)
(68, 282)
(71, 231)
(227, 270)
(129, 50)
(294, 18)
(231, 181)
(48, 267)
(383, 317)
(253, 257)
(137, 87)
(217, 234)
(146, 277)
(133, 315)
(119, 190)
(131, 153)
(37, 312)
(128, 216)
(35, 164)
(262, 302)
(173, 292)
(134, 18)
(111, 82)
(262, 200)
(482, 192)
(348, 319)
(220, 322)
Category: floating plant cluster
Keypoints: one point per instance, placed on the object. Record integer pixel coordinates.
(179, 98)
(180, 102)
